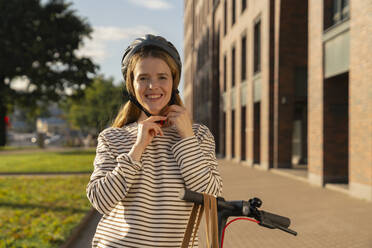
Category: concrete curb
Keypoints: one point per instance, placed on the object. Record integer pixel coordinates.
(77, 230)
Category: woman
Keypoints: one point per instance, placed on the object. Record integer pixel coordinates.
(141, 164)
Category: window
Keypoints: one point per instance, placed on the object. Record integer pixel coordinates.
(233, 12)
(233, 133)
(257, 47)
(244, 59)
(244, 5)
(340, 10)
(224, 134)
(233, 67)
(225, 18)
(224, 72)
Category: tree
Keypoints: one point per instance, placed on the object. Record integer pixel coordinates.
(97, 109)
(38, 45)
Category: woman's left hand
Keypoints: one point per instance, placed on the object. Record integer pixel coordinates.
(179, 117)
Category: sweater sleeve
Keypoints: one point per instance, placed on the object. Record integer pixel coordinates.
(112, 177)
(198, 164)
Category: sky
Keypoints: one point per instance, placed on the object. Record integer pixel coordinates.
(116, 23)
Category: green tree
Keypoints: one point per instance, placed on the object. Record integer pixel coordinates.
(38, 44)
(97, 109)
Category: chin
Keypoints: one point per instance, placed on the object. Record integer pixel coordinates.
(154, 111)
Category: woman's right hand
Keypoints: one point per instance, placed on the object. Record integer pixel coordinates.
(147, 130)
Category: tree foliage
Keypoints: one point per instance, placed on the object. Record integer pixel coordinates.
(38, 45)
(97, 109)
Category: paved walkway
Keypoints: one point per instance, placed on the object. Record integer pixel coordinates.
(322, 217)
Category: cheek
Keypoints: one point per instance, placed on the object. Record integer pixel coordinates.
(169, 90)
(138, 89)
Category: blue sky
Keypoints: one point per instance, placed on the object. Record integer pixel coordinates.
(117, 22)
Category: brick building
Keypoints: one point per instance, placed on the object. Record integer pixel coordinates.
(283, 84)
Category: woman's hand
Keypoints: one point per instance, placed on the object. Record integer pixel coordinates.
(179, 117)
(147, 130)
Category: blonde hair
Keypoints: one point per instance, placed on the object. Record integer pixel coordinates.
(129, 112)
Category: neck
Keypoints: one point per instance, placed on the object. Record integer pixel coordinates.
(142, 117)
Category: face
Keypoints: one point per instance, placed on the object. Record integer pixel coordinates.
(152, 84)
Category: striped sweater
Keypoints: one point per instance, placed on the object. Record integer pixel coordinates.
(139, 200)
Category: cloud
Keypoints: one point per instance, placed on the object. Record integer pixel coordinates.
(103, 36)
(153, 4)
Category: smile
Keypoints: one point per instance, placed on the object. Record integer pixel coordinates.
(154, 97)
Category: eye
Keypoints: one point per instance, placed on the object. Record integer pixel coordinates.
(163, 78)
(142, 79)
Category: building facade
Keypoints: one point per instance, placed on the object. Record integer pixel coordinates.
(284, 84)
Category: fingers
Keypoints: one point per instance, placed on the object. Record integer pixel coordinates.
(154, 118)
(172, 119)
(173, 115)
(154, 129)
(174, 108)
(151, 127)
(159, 120)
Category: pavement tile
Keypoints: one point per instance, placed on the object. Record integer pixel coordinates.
(322, 217)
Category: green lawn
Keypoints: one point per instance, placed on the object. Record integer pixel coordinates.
(18, 148)
(40, 211)
(72, 161)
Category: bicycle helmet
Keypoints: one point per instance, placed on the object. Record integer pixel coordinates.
(135, 46)
(149, 40)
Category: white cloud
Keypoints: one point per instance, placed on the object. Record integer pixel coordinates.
(153, 4)
(97, 47)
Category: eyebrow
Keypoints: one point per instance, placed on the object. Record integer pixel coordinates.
(159, 74)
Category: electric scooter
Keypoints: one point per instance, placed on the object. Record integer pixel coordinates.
(241, 209)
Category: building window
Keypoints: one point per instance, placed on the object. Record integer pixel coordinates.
(233, 67)
(233, 12)
(225, 18)
(233, 133)
(340, 11)
(257, 47)
(224, 134)
(244, 5)
(244, 59)
(224, 72)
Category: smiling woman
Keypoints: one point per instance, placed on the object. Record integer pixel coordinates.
(139, 59)
(152, 81)
(141, 164)
(152, 84)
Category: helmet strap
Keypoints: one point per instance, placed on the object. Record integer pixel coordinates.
(135, 102)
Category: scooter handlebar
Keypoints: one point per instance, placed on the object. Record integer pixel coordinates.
(242, 208)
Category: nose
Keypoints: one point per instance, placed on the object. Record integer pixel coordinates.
(152, 84)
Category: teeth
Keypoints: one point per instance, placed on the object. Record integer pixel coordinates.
(153, 96)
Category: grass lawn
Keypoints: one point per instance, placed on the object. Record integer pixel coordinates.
(40, 211)
(17, 148)
(72, 161)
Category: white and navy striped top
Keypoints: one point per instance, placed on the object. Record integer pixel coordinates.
(139, 200)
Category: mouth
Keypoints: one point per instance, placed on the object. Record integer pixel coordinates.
(153, 97)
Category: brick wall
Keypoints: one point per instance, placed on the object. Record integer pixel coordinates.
(360, 150)
(315, 93)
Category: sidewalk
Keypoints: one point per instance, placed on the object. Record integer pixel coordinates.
(322, 217)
